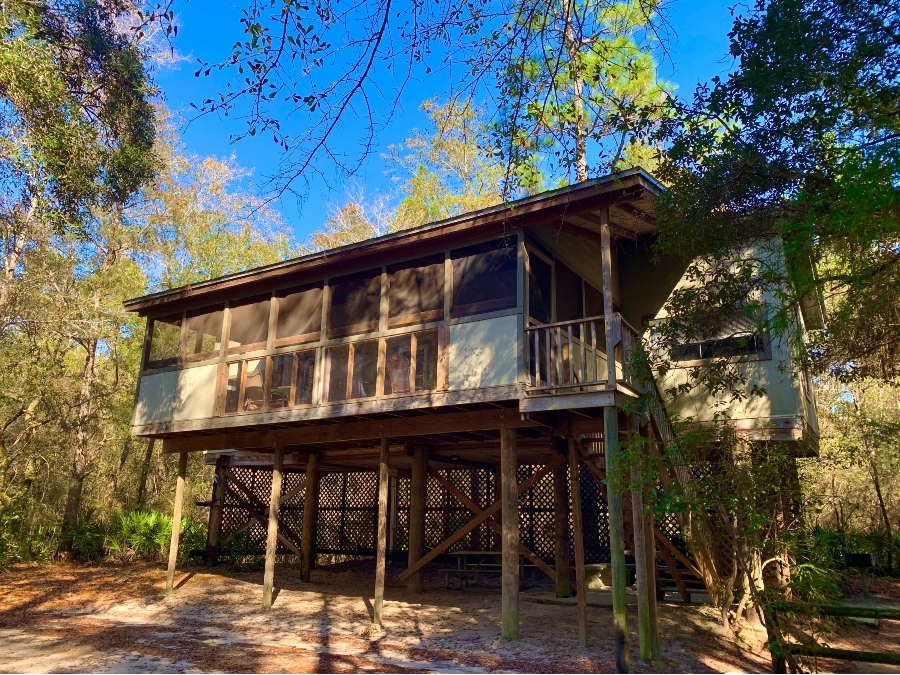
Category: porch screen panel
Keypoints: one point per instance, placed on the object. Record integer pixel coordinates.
(249, 324)
(299, 315)
(484, 277)
(355, 304)
(416, 291)
(165, 341)
(540, 286)
(204, 338)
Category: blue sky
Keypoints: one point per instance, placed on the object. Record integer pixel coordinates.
(208, 29)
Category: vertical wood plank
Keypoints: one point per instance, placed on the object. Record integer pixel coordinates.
(510, 540)
(295, 366)
(381, 543)
(176, 520)
(413, 346)
(443, 366)
(537, 358)
(310, 516)
(351, 354)
(584, 372)
(578, 539)
(560, 362)
(571, 356)
(448, 285)
(561, 532)
(549, 342)
(272, 534)
(380, 367)
(417, 497)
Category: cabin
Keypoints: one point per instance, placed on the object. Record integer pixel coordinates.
(452, 388)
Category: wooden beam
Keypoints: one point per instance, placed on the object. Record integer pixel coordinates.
(417, 497)
(493, 524)
(561, 532)
(611, 446)
(650, 550)
(578, 536)
(272, 534)
(681, 557)
(310, 516)
(354, 431)
(509, 498)
(176, 521)
(381, 543)
(524, 486)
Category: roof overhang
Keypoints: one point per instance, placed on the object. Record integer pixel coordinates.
(629, 196)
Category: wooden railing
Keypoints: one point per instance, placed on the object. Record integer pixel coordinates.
(568, 355)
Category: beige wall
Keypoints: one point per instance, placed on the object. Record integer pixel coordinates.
(176, 395)
(484, 353)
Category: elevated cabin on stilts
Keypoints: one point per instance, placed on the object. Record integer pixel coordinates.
(458, 386)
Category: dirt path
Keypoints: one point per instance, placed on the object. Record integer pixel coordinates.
(68, 618)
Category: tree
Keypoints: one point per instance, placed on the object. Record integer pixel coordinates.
(578, 88)
(325, 68)
(799, 145)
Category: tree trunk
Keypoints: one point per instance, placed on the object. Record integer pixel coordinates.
(145, 472)
(572, 41)
(82, 438)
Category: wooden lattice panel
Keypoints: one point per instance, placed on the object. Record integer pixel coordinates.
(348, 511)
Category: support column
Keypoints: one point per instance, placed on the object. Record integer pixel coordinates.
(216, 508)
(611, 444)
(578, 537)
(642, 573)
(417, 496)
(381, 544)
(650, 550)
(272, 537)
(176, 521)
(510, 540)
(310, 516)
(561, 532)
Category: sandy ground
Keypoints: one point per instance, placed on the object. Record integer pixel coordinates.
(116, 619)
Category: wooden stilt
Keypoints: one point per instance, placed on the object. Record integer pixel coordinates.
(310, 516)
(381, 544)
(272, 536)
(418, 487)
(510, 540)
(578, 538)
(216, 508)
(650, 551)
(561, 532)
(611, 443)
(642, 573)
(176, 521)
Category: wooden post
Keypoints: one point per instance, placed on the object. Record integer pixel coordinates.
(272, 538)
(578, 537)
(310, 515)
(381, 544)
(417, 496)
(642, 573)
(510, 541)
(176, 521)
(561, 532)
(611, 444)
(650, 550)
(216, 508)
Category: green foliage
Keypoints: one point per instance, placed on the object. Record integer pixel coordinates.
(142, 533)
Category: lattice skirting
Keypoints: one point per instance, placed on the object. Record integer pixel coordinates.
(348, 506)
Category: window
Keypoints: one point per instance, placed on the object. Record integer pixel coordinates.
(232, 394)
(254, 385)
(569, 294)
(540, 285)
(484, 277)
(299, 315)
(282, 376)
(355, 304)
(732, 333)
(404, 374)
(352, 370)
(249, 325)
(416, 291)
(593, 301)
(165, 341)
(306, 373)
(204, 333)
